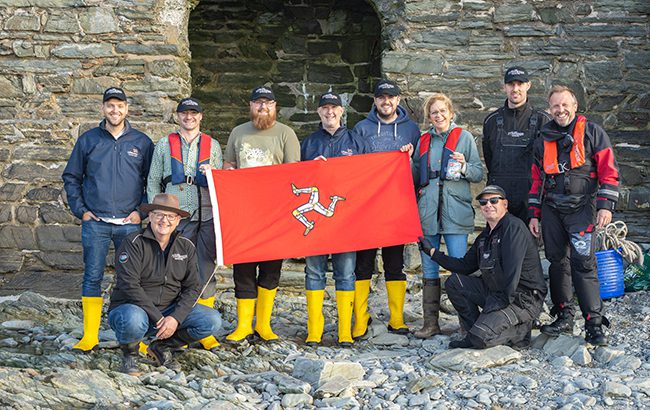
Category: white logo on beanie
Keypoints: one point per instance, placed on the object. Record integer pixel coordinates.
(113, 91)
(263, 90)
(385, 85)
(330, 96)
(190, 102)
(514, 71)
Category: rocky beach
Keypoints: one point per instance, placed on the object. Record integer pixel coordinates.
(383, 371)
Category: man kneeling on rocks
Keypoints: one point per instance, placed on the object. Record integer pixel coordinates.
(156, 288)
(509, 288)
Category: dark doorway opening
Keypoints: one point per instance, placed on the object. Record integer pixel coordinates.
(300, 48)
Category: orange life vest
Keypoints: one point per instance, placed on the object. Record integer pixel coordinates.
(577, 153)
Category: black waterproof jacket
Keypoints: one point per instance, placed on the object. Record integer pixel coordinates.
(508, 259)
(144, 278)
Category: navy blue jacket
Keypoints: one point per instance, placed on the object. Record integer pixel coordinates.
(343, 143)
(382, 137)
(108, 176)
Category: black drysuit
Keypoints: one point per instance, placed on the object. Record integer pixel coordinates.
(508, 136)
(510, 289)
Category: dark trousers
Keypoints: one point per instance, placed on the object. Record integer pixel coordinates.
(509, 325)
(247, 279)
(202, 236)
(573, 263)
(393, 258)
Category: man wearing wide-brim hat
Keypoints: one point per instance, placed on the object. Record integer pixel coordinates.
(156, 288)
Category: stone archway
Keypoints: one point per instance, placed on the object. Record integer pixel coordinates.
(300, 48)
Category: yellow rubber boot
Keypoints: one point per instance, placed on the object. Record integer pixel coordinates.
(142, 348)
(245, 312)
(265, 299)
(361, 315)
(315, 318)
(92, 311)
(396, 290)
(209, 342)
(344, 306)
(209, 302)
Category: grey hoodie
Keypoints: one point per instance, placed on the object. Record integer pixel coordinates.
(382, 137)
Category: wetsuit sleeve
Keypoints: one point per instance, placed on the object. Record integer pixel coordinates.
(606, 169)
(128, 272)
(474, 168)
(466, 265)
(537, 186)
(73, 179)
(511, 260)
(156, 170)
(190, 287)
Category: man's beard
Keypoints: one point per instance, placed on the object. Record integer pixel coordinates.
(263, 122)
(384, 116)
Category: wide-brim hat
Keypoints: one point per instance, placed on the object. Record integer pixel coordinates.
(164, 202)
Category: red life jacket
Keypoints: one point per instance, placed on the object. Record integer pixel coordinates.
(178, 170)
(577, 154)
(425, 160)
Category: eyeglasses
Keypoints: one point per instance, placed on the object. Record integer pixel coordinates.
(262, 103)
(160, 216)
(494, 200)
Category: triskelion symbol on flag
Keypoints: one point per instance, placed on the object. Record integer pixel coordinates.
(312, 205)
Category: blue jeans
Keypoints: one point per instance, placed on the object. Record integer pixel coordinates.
(131, 323)
(456, 247)
(316, 269)
(96, 237)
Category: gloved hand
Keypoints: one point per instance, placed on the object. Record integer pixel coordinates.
(424, 245)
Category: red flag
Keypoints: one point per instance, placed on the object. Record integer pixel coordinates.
(313, 207)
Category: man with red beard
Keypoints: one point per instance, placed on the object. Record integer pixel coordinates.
(261, 141)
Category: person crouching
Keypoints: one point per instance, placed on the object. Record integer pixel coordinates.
(157, 286)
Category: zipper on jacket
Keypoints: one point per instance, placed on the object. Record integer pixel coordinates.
(115, 160)
(161, 256)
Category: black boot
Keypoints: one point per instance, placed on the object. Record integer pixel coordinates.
(161, 350)
(594, 331)
(562, 325)
(465, 343)
(430, 309)
(129, 359)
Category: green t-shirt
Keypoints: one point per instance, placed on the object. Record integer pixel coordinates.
(250, 147)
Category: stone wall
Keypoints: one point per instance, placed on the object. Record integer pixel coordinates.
(56, 56)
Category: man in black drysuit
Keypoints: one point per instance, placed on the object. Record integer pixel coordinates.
(508, 136)
(497, 306)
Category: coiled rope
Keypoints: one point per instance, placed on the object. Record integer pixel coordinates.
(612, 236)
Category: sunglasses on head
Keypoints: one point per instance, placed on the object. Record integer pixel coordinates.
(494, 200)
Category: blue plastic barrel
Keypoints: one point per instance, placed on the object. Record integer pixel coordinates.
(610, 273)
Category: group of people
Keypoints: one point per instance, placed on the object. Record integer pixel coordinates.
(558, 170)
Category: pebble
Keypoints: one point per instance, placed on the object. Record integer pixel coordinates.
(410, 373)
(18, 324)
(616, 389)
(294, 400)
